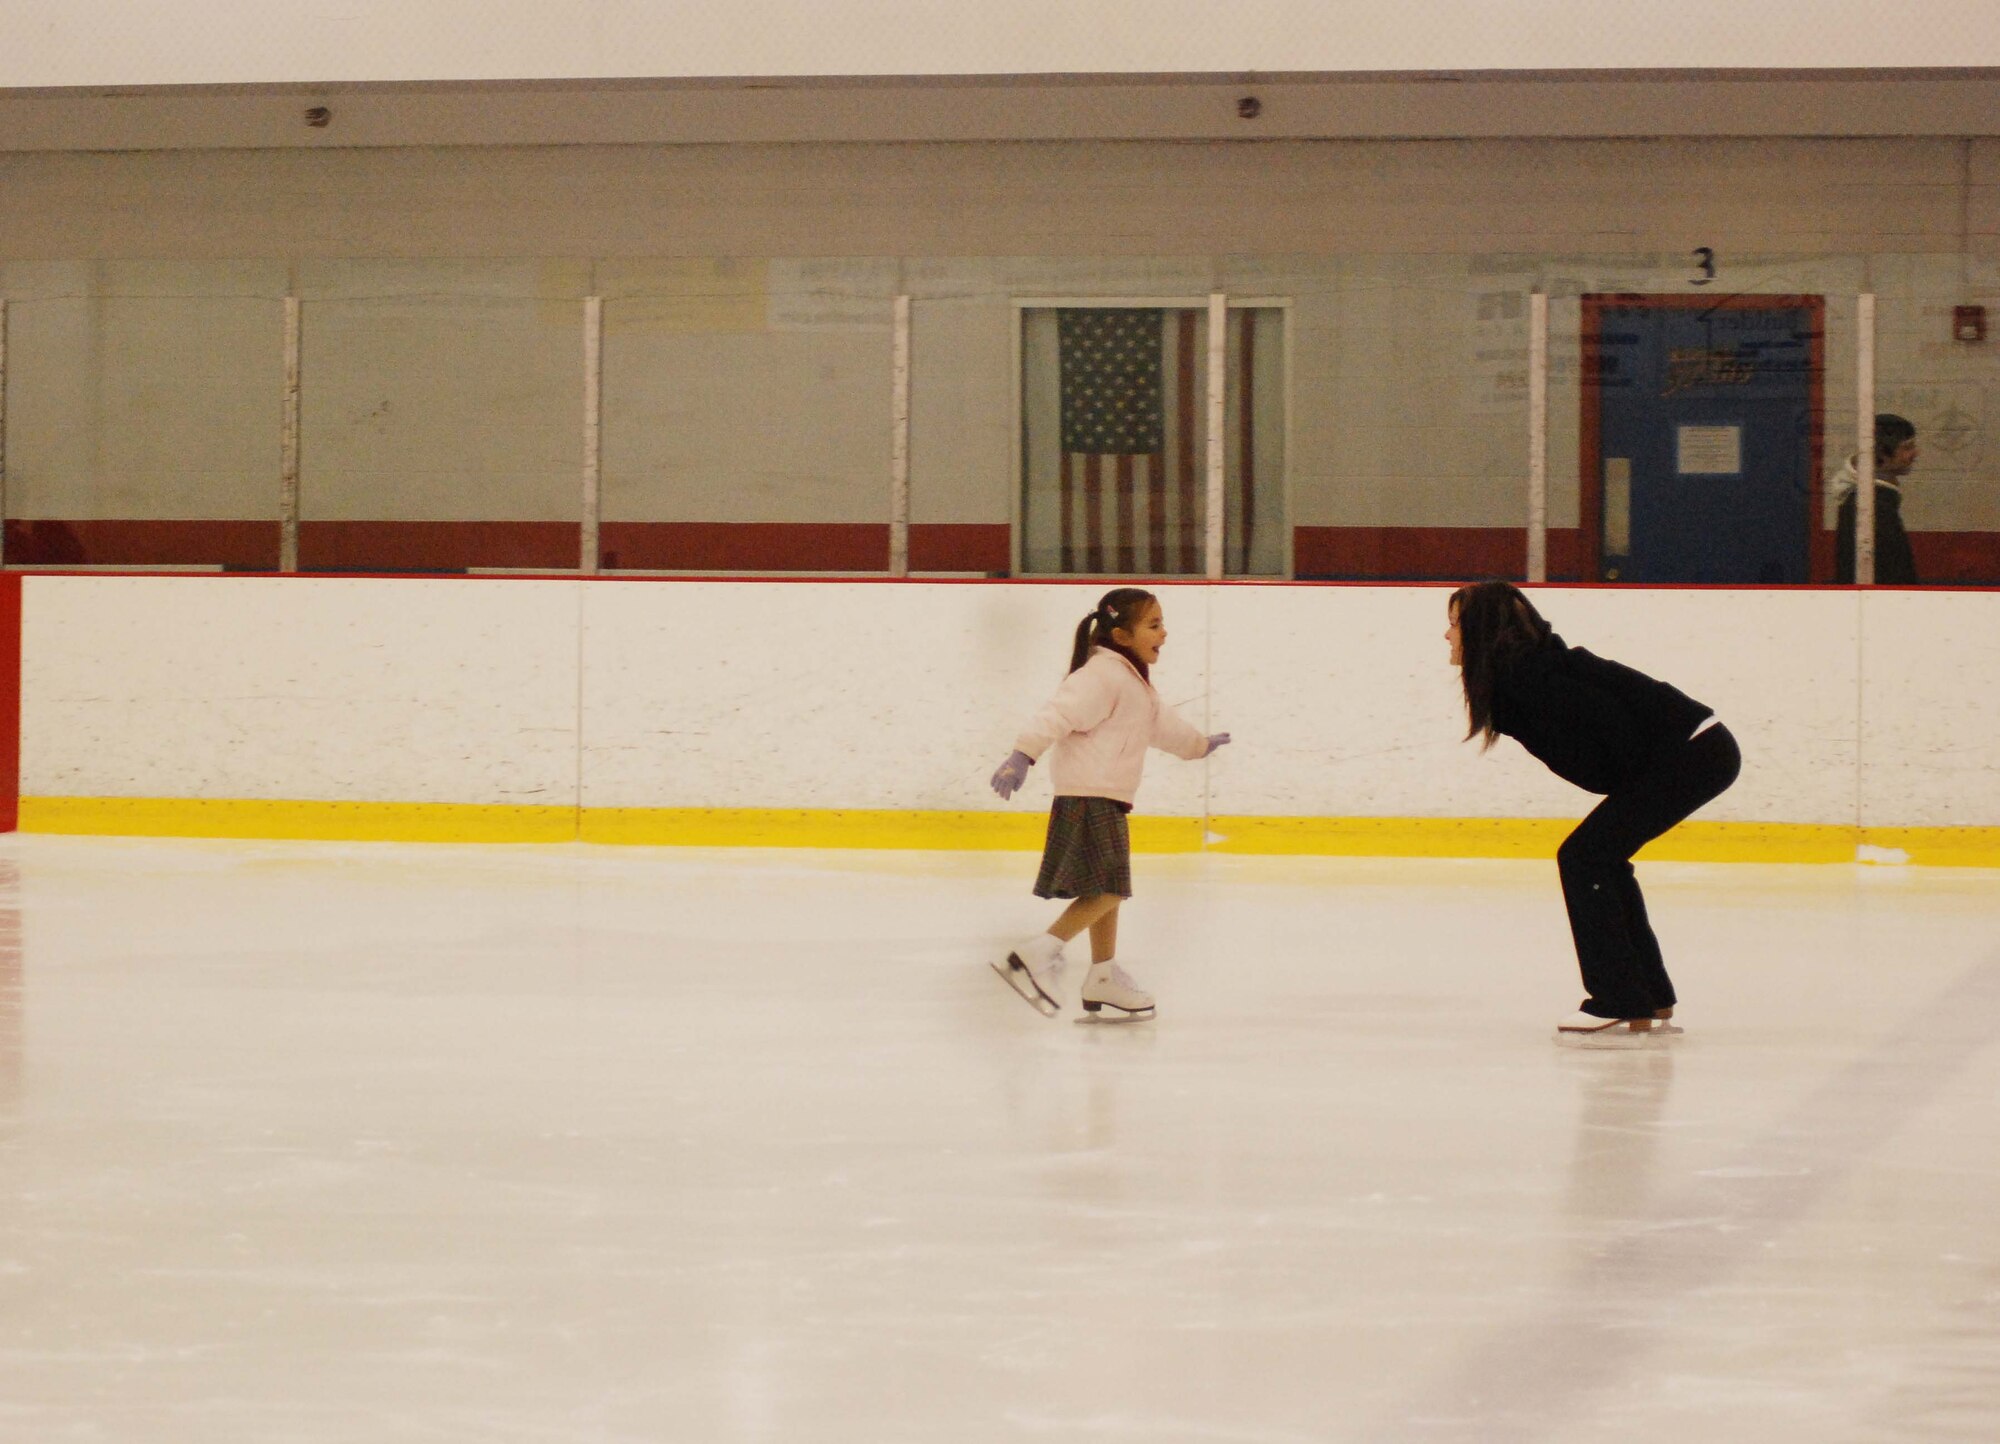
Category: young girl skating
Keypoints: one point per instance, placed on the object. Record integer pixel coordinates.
(1655, 754)
(1099, 723)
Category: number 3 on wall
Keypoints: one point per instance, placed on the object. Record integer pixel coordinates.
(1704, 262)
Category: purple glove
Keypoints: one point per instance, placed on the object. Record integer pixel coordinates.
(1012, 773)
(1215, 740)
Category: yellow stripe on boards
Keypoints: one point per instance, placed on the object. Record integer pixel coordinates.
(324, 821)
(811, 827)
(1533, 837)
(1389, 836)
(1011, 831)
(1937, 846)
(1752, 842)
(858, 827)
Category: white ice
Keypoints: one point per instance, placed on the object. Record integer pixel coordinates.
(350, 1144)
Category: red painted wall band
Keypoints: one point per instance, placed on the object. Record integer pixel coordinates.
(429, 546)
(239, 545)
(10, 701)
(1429, 554)
(779, 546)
(961, 547)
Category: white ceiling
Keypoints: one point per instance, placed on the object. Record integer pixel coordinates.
(70, 43)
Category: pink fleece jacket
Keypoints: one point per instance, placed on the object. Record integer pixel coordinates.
(1100, 723)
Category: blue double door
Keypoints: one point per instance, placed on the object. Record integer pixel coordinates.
(1701, 438)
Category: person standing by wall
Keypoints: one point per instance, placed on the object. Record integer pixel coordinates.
(1895, 453)
(1654, 753)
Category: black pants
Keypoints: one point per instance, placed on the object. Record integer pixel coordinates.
(1615, 946)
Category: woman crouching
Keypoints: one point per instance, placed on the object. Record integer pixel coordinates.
(1654, 753)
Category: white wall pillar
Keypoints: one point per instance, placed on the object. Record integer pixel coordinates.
(1218, 395)
(1538, 437)
(899, 443)
(593, 423)
(288, 464)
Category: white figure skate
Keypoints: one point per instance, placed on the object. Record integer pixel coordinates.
(1110, 996)
(1587, 1030)
(1031, 970)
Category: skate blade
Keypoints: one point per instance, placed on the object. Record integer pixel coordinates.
(1618, 1038)
(1018, 978)
(1109, 1017)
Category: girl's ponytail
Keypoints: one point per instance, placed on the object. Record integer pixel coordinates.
(1086, 638)
(1120, 607)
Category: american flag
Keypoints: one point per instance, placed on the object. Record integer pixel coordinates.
(1132, 487)
(1133, 483)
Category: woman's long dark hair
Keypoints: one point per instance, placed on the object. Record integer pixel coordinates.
(1119, 607)
(1497, 625)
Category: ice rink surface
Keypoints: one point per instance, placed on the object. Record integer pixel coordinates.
(366, 1144)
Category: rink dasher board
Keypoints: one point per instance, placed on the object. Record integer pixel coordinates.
(867, 714)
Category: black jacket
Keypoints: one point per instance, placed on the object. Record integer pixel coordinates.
(1895, 564)
(1594, 722)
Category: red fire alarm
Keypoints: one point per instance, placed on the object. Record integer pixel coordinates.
(1968, 323)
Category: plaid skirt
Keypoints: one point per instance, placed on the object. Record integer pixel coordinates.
(1089, 850)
